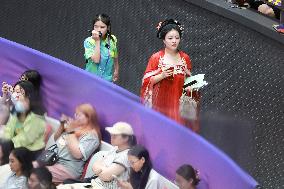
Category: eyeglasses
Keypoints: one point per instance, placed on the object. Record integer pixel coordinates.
(133, 162)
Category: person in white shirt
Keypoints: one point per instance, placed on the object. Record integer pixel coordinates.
(142, 175)
(21, 165)
(115, 162)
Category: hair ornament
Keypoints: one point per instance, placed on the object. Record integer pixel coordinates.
(159, 25)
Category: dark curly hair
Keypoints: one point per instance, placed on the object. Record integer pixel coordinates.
(168, 25)
(23, 155)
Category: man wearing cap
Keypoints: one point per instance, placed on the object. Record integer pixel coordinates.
(115, 162)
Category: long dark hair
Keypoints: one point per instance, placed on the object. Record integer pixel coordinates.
(7, 146)
(139, 179)
(106, 20)
(44, 176)
(30, 93)
(23, 155)
(188, 172)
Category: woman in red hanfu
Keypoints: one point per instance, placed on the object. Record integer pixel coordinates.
(163, 81)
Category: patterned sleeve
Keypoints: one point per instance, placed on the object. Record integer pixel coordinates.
(151, 70)
(88, 144)
(89, 46)
(188, 61)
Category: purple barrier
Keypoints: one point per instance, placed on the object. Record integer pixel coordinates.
(170, 145)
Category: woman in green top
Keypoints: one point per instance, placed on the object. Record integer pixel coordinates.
(101, 53)
(26, 126)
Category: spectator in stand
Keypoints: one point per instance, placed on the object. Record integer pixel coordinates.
(186, 177)
(76, 140)
(21, 166)
(261, 7)
(30, 75)
(27, 119)
(40, 178)
(142, 176)
(115, 162)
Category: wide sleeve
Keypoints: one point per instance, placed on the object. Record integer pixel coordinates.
(34, 127)
(188, 62)
(152, 69)
(89, 46)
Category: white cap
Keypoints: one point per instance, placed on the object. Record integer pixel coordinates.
(120, 128)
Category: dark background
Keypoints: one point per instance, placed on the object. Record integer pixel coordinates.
(242, 107)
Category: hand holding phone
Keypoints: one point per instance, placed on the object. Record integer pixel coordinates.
(6, 88)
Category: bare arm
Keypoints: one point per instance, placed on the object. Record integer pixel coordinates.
(97, 51)
(105, 173)
(73, 146)
(59, 131)
(116, 69)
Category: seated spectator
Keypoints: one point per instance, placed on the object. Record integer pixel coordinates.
(21, 166)
(27, 119)
(76, 141)
(186, 177)
(30, 75)
(4, 116)
(115, 162)
(6, 147)
(142, 176)
(40, 178)
(261, 7)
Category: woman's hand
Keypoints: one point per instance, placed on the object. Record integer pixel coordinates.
(124, 184)
(115, 76)
(96, 35)
(167, 72)
(6, 89)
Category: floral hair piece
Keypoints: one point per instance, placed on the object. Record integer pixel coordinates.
(166, 22)
(159, 25)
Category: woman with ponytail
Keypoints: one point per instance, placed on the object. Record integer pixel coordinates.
(101, 52)
(187, 177)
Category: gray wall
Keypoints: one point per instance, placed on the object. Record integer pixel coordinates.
(242, 108)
